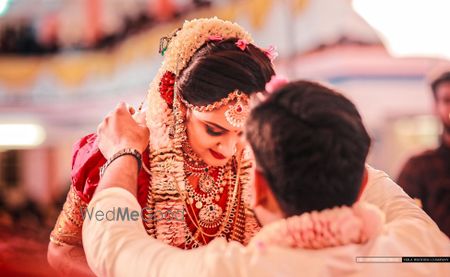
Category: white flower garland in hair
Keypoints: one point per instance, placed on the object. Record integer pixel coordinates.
(166, 160)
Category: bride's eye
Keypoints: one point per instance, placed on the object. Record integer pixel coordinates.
(211, 131)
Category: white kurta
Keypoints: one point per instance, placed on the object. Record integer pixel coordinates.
(123, 248)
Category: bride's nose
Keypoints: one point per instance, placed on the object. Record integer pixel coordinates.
(228, 147)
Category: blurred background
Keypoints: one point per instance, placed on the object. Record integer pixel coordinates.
(65, 63)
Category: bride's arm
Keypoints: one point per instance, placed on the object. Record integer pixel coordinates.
(65, 252)
(68, 260)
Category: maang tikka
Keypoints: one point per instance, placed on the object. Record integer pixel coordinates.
(237, 113)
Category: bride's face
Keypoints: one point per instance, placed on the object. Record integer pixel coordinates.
(212, 137)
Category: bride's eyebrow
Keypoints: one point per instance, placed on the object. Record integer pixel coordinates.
(215, 125)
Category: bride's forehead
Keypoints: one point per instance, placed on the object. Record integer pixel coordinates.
(217, 117)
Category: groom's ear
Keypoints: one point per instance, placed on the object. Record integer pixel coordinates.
(261, 189)
(264, 197)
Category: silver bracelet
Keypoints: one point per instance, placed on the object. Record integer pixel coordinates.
(127, 151)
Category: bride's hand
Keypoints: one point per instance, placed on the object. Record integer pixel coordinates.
(122, 128)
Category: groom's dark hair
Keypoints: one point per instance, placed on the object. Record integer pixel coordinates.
(311, 145)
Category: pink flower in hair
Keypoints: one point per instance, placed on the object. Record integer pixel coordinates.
(271, 53)
(275, 83)
(242, 44)
(215, 38)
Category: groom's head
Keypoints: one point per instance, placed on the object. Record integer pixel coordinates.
(310, 147)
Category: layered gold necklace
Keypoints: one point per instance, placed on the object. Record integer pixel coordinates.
(210, 189)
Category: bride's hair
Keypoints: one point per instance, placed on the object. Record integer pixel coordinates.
(311, 145)
(220, 67)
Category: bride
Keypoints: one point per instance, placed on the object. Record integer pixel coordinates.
(196, 164)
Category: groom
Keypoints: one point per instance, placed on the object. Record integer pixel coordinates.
(319, 218)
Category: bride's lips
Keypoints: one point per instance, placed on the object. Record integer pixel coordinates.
(216, 155)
